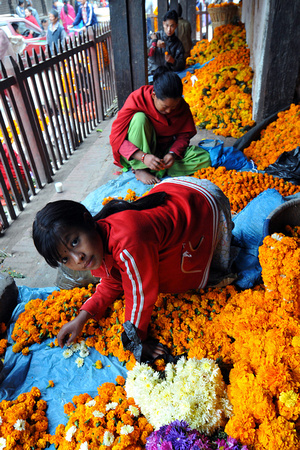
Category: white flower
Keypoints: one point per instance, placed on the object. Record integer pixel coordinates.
(84, 446)
(276, 236)
(67, 353)
(111, 405)
(98, 414)
(70, 433)
(20, 425)
(91, 403)
(193, 390)
(79, 362)
(126, 429)
(134, 410)
(2, 443)
(108, 438)
(75, 347)
(84, 353)
(1, 420)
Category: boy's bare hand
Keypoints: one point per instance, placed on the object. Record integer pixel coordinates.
(161, 44)
(70, 331)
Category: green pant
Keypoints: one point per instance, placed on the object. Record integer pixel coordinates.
(142, 134)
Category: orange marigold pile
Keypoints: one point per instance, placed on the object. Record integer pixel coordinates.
(282, 135)
(109, 420)
(23, 422)
(242, 187)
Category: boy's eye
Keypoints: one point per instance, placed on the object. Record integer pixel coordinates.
(75, 242)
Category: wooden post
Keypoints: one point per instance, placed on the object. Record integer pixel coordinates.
(162, 8)
(128, 32)
(191, 16)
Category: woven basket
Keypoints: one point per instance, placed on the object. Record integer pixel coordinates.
(286, 214)
(222, 15)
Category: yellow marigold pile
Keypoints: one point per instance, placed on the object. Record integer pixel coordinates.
(220, 98)
(282, 135)
(242, 187)
(23, 422)
(226, 37)
(109, 420)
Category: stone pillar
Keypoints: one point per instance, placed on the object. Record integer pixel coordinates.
(273, 35)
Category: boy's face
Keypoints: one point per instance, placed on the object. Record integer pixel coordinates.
(81, 250)
(169, 27)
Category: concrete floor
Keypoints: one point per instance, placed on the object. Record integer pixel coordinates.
(89, 167)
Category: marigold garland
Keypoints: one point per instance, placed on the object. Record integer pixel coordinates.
(23, 422)
(282, 135)
(110, 419)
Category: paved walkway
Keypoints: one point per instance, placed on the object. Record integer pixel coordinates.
(89, 167)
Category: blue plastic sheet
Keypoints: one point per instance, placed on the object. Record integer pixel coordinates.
(229, 157)
(21, 373)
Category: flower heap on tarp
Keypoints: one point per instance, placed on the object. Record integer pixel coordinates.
(219, 94)
(281, 135)
(242, 187)
(193, 390)
(226, 37)
(23, 422)
(110, 420)
(178, 436)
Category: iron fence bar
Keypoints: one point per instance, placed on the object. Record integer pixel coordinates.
(10, 177)
(24, 137)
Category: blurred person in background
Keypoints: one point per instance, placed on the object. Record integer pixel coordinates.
(86, 15)
(56, 31)
(30, 17)
(67, 15)
(20, 9)
(58, 6)
(34, 13)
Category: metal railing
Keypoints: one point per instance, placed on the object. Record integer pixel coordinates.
(49, 104)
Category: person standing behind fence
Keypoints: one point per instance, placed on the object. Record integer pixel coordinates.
(56, 31)
(34, 13)
(67, 15)
(30, 17)
(20, 10)
(86, 15)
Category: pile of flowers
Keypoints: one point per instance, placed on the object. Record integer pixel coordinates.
(281, 135)
(226, 37)
(23, 422)
(178, 435)
(219, 94)
(242, 187)
(193, 390)
(110, 419)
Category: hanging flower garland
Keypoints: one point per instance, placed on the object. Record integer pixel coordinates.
(282, 135)
(110, 419)
(23, 422)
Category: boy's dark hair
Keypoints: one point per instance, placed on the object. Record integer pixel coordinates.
(58, 217)
(15, 26)
(166, 84)
(54, 12)
(171, 15)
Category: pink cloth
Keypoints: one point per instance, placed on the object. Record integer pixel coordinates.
(67, 19)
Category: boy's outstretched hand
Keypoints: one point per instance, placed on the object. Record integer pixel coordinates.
(70, 331)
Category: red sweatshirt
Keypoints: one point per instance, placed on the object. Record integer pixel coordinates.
(177, 127)
(165, 249)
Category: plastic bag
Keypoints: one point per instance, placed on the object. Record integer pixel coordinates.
(229, 157)
(69, 279)
(287, 166)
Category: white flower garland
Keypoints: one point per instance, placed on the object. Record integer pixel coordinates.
(193, 390)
